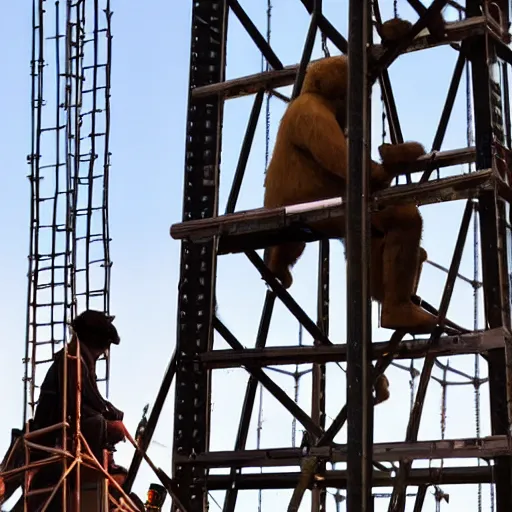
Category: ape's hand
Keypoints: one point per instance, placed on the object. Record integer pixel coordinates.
(397, 157)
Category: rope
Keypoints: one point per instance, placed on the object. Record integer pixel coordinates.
(296, 377)
(258, 438)
(264, 67)
(265, 64)
(325, 48)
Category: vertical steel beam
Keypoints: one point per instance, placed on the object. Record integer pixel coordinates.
(198, 261)
(359, 403)
(492, 233)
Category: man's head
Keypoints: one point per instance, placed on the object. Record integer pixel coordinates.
(95, 330)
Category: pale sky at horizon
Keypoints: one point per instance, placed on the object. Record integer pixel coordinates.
(149, 100)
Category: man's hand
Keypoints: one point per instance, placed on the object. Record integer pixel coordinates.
(116, 431)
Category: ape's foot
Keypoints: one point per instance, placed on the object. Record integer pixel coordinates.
(381, 389)
(284, 276)
(408, 317)
(394, 29)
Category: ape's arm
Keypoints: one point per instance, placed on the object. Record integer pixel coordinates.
(395, 160)
(314, 129)
(379, 177)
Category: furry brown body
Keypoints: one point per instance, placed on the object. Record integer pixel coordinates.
(309, 163)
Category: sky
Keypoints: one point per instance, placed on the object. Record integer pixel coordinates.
(149, 100)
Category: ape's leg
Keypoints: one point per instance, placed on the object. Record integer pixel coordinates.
(376, 269)
(377, 276)
(402, 226)
(422, 257)
(282, 257)
(330, 228)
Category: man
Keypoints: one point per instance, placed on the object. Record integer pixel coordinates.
(100, 422)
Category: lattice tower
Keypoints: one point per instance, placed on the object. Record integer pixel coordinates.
(480, 36)
(69, 260)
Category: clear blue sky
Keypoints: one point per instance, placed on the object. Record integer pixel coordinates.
(149, 96)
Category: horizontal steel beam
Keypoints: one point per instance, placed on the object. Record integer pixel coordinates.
(338, 479)
(472, 343)
(256, 229)
(485, 447)
(237, 87)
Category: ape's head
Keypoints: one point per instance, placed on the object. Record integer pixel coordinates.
(329, 78)
(95, 329)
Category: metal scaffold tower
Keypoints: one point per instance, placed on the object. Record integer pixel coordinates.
(481, 38)
(69, 260)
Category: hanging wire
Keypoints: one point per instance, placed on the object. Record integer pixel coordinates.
(412, 384)
(296, 377)
(443, 402)
(325, 47)
(259, 428)
(264, 67)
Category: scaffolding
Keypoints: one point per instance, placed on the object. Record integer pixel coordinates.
(481, 39)
(67, 466)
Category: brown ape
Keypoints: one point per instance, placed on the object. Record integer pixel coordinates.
(309, 163)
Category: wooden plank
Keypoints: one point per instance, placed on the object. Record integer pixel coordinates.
(245, 225)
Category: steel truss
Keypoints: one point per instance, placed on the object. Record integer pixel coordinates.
(69, 260)
(481, 38)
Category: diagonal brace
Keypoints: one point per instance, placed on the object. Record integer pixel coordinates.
(152, 423)
(447, 111)
(287, 299)
(253, 31)
(250, 396)
(271, 386)
(420, 9)
(327, 28)
(245, 152)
